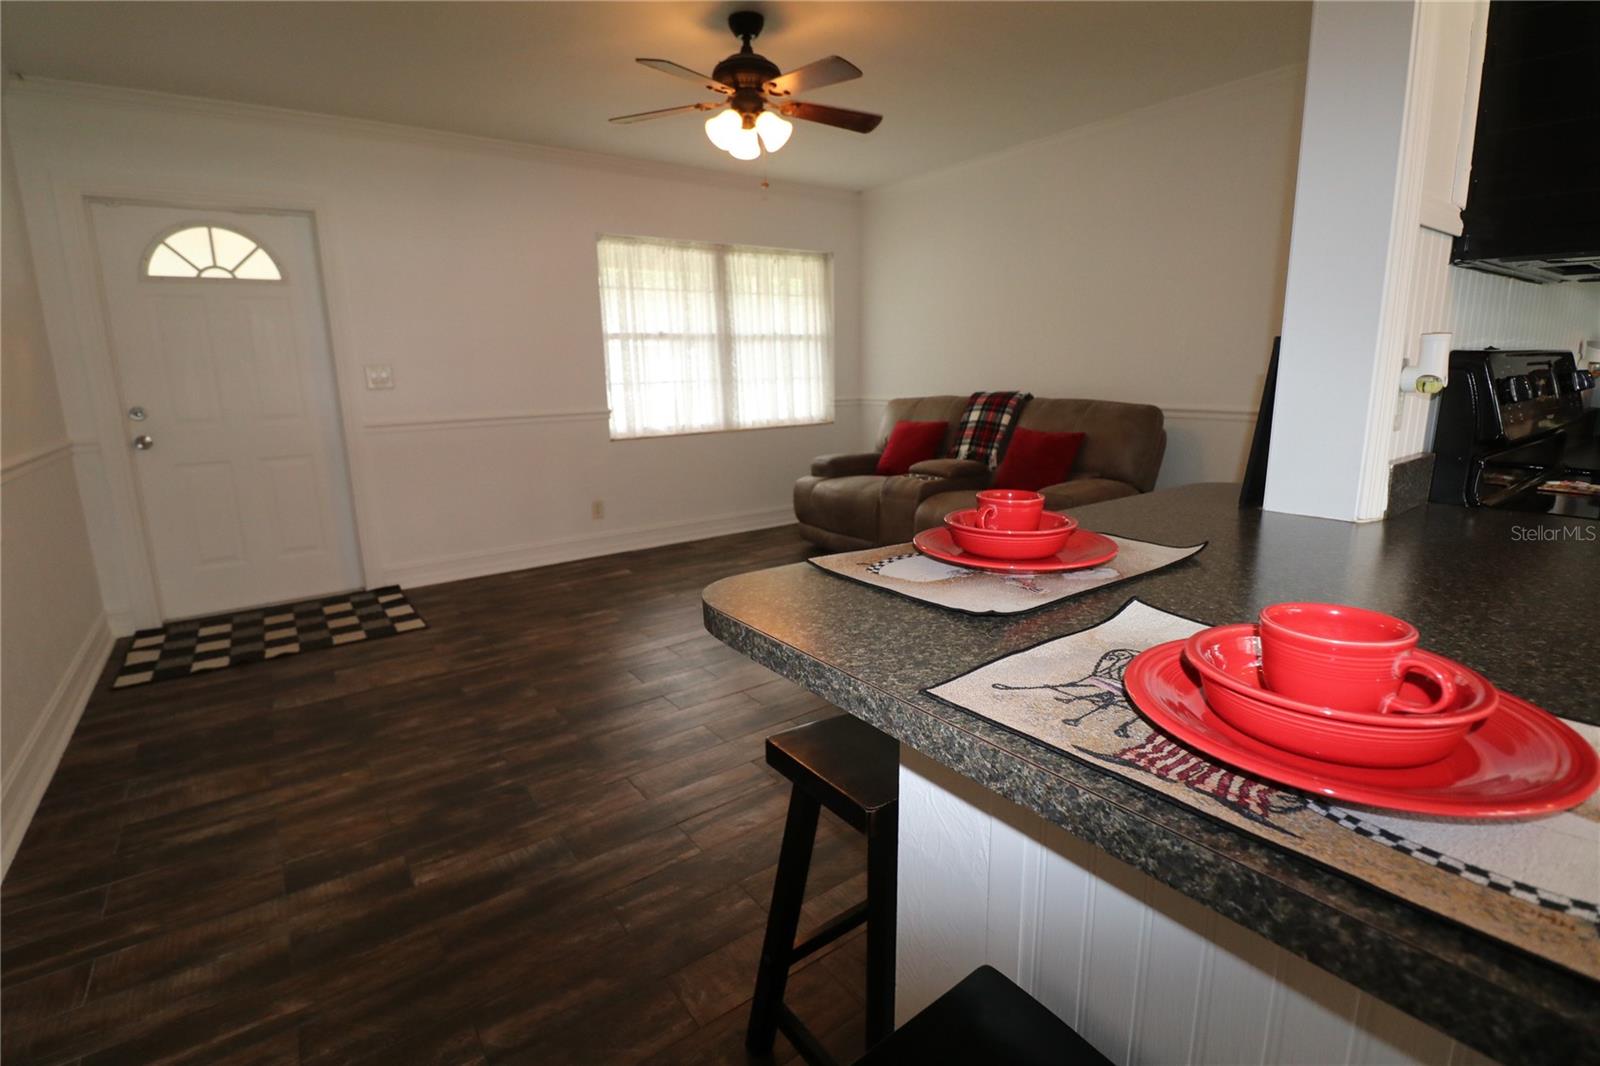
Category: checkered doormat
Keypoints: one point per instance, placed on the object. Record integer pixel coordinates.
(180, 649)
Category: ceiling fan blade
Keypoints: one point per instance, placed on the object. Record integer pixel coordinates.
(829, 71)
(678, 70)
(843, 117)
(644, 116)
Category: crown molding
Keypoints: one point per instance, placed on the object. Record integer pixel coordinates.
(25, 87)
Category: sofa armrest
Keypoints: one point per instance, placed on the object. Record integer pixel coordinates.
(845, 465)
(1085, 490)
(900, 496)
(951, 468)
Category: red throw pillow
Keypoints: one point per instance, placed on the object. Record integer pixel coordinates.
(911, 442)
(1035, 459)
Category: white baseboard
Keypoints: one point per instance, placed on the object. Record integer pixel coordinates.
(464, 565)
(35, 764)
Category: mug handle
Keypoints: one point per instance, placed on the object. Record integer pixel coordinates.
(985, 513)
(1408, 663)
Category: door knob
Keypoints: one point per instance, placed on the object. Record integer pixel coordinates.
(143, 442)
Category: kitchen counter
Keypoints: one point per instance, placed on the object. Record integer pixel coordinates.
(1516, 596)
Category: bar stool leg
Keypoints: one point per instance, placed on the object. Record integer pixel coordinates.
(783, 921)
(883, 838)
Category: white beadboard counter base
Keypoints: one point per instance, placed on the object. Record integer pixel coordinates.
(1144, 973)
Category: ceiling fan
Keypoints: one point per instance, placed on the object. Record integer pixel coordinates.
(757, 100)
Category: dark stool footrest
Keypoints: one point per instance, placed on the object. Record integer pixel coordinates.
(837, 927)
(986, 1018)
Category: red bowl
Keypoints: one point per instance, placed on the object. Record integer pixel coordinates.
(1047, 540)
(1228, 659)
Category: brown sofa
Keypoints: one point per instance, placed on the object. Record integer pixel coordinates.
(844, 505)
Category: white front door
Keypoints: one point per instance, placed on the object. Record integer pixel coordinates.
(224, 352)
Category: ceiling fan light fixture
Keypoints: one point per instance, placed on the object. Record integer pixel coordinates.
(774, 130)
(723, 127)
(757, 97)
(746, 145)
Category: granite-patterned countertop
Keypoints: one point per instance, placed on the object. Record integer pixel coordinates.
(1516, 596)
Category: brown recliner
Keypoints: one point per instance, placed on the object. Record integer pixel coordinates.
(843, 505)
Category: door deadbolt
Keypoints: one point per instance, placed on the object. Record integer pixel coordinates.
(136, 413)
(143, 442)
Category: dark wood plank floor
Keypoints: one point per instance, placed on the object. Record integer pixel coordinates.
(539, 831)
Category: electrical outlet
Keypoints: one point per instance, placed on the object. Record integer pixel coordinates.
(380, 376)
(597, 509)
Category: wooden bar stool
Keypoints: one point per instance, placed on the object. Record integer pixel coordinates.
(854, 770)
(986, 1018)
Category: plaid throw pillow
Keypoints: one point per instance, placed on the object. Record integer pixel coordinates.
(985, 425)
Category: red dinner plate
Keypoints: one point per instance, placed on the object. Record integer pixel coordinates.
(1521, 761)
(1082, 550)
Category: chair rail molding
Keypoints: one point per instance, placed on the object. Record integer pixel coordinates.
(411, 423)
(1208, 414)
(34, 459)
(1192, 412)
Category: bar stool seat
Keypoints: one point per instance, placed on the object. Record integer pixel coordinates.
(985, 1019)
(852, 769)
(846, 765)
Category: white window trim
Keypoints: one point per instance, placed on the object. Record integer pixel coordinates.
(724, 339)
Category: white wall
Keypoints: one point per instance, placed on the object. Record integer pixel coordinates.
(53, 636)
(467, 265)
(1141, 258)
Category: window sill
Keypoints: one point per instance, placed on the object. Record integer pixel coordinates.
(719, 432)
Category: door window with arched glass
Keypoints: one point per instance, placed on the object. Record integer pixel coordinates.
(210, 252)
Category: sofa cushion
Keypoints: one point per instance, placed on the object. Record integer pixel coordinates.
(911, 442)
(844, 464)
(921, 409)
(1035, 458)
(946, 468)
(1122, 441)
(846, 505)
(986, 424)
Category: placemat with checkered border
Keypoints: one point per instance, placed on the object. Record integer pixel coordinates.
(181, 649)
(1529, 882)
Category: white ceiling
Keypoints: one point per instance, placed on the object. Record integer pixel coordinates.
(953, 80)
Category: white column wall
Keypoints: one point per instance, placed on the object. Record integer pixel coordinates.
(1335, 397)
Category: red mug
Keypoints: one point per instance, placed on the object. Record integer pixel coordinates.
(1347, 658)
(1009, 509)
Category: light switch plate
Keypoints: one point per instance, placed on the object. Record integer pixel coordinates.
(380, 376)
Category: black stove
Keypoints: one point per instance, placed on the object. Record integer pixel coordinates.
(1515, 431)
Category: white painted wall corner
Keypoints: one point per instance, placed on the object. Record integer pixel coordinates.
(34, 764)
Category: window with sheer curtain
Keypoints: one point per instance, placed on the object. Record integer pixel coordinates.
(704, 337)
